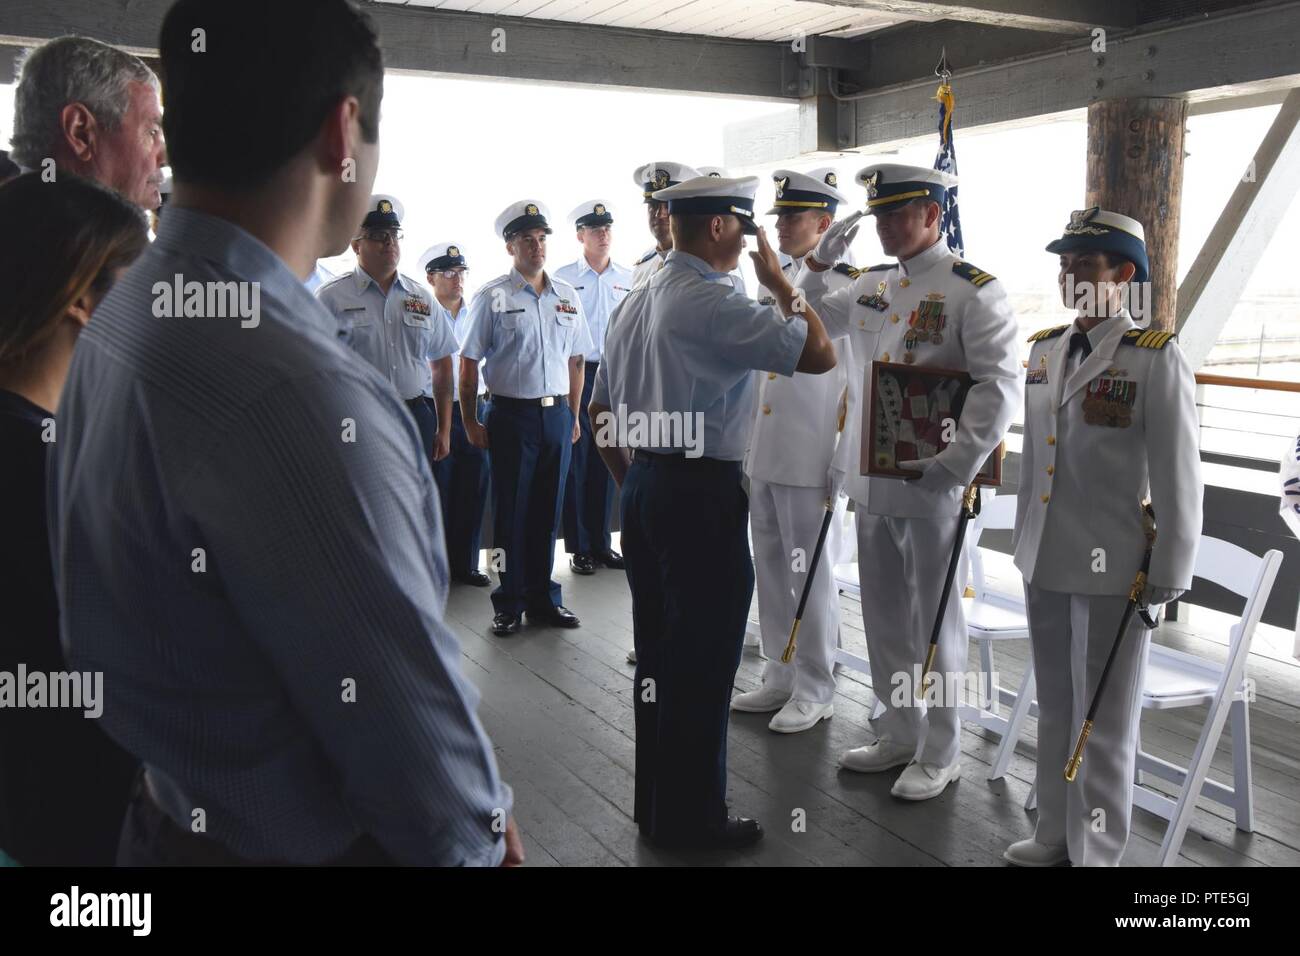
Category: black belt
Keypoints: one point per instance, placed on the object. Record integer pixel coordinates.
(546, 401)
(680, 460)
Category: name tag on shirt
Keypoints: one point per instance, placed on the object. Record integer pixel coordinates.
(510, 312)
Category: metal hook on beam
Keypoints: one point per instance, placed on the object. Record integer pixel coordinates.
(942, 70)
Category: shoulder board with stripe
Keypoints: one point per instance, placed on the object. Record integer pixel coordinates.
(972, 274)
(1051, 333)
(844, 269)
(646, 258)
(1148, 338)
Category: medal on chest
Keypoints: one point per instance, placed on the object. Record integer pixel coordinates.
(926, 324)
(1109, 402)
(413, 303)
(876, 300)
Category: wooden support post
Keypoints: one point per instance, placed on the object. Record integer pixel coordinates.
(1135, 167)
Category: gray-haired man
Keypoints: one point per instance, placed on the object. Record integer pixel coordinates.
(94, 111)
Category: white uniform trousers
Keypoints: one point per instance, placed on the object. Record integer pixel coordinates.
(782, 518)
(901, 566)
(1071, 635)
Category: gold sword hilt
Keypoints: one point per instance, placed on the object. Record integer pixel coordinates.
(925, 671)
(1072, 768)
(787, 655)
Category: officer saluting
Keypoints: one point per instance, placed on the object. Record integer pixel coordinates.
(463, 475)
(601, 284)
(1110, 415)
(389, 319)
(788, 462)
(679, 366)
(650, 177)
(529, 329)
(929, 309)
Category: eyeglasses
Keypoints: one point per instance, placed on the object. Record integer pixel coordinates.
(383, 236)
(458, 273)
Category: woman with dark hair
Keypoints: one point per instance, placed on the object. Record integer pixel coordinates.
(64, 784)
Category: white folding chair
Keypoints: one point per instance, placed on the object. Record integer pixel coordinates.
(1178, 679)
(991, 617)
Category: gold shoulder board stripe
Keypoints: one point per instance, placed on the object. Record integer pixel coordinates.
(1148, 338)
(1047, 333)
(843, 268)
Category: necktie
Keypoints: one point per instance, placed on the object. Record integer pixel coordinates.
(1079, 341)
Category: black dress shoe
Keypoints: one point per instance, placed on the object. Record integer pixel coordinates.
(505, 623)
(736, 833)
(475, 577)
(554, 616)
(581, 563)
(611, 559)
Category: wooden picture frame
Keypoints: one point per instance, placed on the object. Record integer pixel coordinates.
(905, 407)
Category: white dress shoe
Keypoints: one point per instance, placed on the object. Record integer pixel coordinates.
(921, 781)
(800, 715)
(1032, 853)
(631, 656)
(762, 701)
(882, 754)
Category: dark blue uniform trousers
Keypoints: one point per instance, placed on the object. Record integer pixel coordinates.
(462, 479)
(529, 447)
(425, 413)
(590, 487)
(692, 578)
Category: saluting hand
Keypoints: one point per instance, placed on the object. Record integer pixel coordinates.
(835, 241)
(767, 265)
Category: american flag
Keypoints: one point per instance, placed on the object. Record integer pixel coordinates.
(946, 161)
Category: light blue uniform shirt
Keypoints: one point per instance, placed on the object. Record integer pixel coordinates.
(600, 293)
(188, 440)
(399, 333)
(686, 342)
(460, 328)
(526, 339)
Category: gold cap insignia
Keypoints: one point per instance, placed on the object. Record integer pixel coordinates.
(661, 178)
(530, 210)
(831, 180)
(453, 251)
(781, 184)
(600, 209)
(385, 206)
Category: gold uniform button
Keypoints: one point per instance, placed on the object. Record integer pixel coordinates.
(862, 323)
(904, 283)
(893, 318)
(1045, 498)
(885, 357)
(1051, 439)
(771, 376)
(767, 409)
(1051, 469)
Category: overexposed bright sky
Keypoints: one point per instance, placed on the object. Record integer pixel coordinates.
(457, 151)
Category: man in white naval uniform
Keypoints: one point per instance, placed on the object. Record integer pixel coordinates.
(652, 176)
(795, 432)
(931, 309)
(1110, 415)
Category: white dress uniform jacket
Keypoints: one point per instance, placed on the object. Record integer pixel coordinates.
(977, 335)
(797, 419)
(1095, 441)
